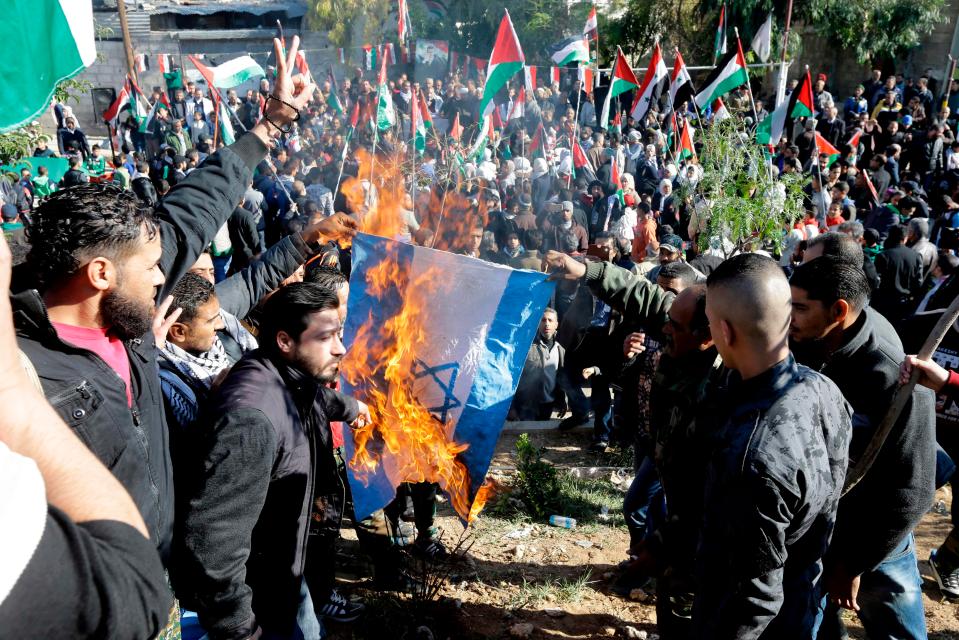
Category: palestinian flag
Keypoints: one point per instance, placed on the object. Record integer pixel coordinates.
(719, 47)
(823, 148)
(591, 30)
(728, 74)
(139, 105)
(483, 134)
(686, 149)
(581, 163)
(617, 182)
(227, 134)
(385, 114)
(504, 62)
(617, 127)
(654, 81)
(854, 140)
(234, 72)
(456, 130)
(680, 84)
(780, 121)
(46, 42)
(569, 51)
(333, 98)
(623, 80)
(720, 112)
(537, 147)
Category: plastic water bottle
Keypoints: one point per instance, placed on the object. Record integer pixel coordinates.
(563, 521)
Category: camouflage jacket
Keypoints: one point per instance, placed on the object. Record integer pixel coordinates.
(773, 482)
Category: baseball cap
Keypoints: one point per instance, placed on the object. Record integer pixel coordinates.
(9, 212)
(672, 242)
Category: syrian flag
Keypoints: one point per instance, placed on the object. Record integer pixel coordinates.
(554, 75)
(226, 125)
(404, 27)
(569, 51)
(728, 74)
(333, 98)
(653, 83)
(370, 56)
(163, 62)
(686, 149)
(719, 47)
(617, 182)
(623, 80)
(456, 130)
(591, 30)
(762, 41)
(385, 114)
(518, 108)
(342, 55)
(122, 102)
(581, 163)
(302, 68)
(720, 112)
(780, 121)
(46, 41)
(872, 188)
(680, 84)
(529, 77)
(586, 80)
(504, 62)
(140, 61)
(824, 148)
(231, 73)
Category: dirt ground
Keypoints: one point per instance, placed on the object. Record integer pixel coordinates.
(530, 580)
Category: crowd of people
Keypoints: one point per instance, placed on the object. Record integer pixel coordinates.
(748, 385)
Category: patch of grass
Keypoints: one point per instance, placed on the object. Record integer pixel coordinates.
(559, 591)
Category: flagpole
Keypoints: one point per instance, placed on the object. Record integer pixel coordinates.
(346, 148)
(749, 89)
(446, 190)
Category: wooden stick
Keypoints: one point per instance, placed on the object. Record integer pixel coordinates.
(903, 394)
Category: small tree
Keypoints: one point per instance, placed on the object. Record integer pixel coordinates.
(739, 200)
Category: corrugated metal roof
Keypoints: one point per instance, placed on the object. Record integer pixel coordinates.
(293, 8)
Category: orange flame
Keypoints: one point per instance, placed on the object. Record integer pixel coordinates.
(421, 447)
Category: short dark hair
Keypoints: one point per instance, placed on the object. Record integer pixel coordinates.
(829, 279)
(838, 245)
(678, 271)
(75, 225)
(191, 293)
(289, 310)
(327, 277)
(534, 239)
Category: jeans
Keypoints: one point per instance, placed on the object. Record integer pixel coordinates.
(644, 506)
(220, 266)
(601, 401)
(308, 626)
(890, 600)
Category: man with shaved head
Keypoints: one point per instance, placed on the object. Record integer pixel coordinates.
(777, 468)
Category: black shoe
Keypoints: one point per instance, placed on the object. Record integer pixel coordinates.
(573, 421)
(599, 447)
(430, 549)
(339, 609)
(397, 580)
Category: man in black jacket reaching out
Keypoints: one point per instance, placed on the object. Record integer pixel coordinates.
(251, 471)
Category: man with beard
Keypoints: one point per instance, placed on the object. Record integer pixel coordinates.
(871, 563)
(101, 258)
(259, 473)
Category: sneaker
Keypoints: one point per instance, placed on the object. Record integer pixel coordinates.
(599, 447)
(397, 580)
(430, 549)
(573, 421)
(946, 577)
(339, 609)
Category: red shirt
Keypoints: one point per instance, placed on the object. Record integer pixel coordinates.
(109, 348)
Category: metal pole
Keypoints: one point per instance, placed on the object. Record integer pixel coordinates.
(781, 83)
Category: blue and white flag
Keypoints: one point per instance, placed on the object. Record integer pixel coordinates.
(464, 327)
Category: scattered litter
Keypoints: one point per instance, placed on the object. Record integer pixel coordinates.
(636, 634)
(519, 534)
(586, 544)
